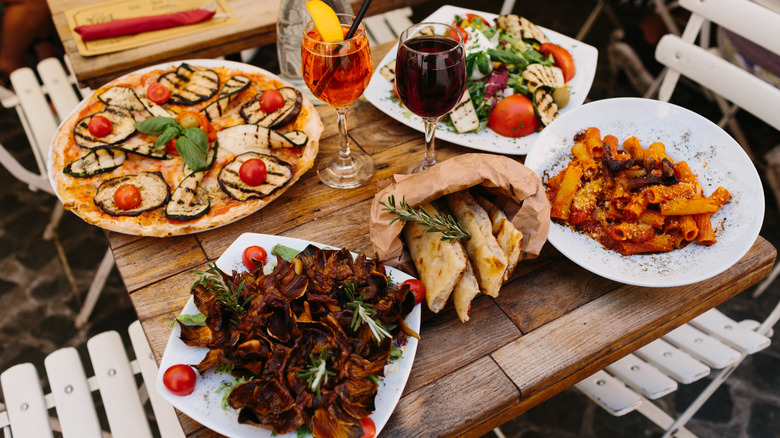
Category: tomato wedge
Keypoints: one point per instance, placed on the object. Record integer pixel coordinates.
(514, 116)
(562, 57)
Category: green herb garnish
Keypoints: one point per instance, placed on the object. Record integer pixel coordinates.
(285, 252)
(194, 319)
(226, 387)
(317, 373)
(363, 312)
(226, 294)
(191, 143)
(450, 229)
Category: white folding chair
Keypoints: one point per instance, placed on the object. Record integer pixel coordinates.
(31, 101)
(26, 412)
(388, 26)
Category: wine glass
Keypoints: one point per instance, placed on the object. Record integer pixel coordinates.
(337, 73)
(430, 76)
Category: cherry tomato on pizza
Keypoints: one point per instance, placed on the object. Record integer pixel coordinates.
(369, 427)
(514, 116)
(254, 257)
(158, 93)
(562, 57)
(418, 289)
(271, 100)
(100, 126)
(180, 379)
(127, 197)
(253, 172)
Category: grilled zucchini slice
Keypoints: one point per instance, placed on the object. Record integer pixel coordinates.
(521, 28)
(388, 71)
(154, 193)
(154, 109)
(190, 85)
(464, 115)
(536, 75)
(243, 138)
(544, 105)
(232, 86)
(279, 173)
(95, 162)
(144, 148)
(123, 127)
(122, 97)
(190, 200)
(293, 101)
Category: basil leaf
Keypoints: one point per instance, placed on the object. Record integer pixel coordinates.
(483, 64)
(285, 252)
(169, 134)
(187, 319)
(471, 60)
(156, 124)
(193, 146)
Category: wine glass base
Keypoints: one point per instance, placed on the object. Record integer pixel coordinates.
(415, 167)
(340, 177)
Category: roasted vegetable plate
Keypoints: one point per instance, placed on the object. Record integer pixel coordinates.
(277, 357)
(521, 78)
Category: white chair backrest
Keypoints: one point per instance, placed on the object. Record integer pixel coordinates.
(27, 413)
(748, 19)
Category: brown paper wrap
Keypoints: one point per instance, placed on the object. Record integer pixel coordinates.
(526, 203)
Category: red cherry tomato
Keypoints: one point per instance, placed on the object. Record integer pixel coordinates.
(271, 100)
(253, 172)
(418, 288)
(158, 93)
(254, 257)
(100, 126)
(170, 148)
(127, 196)
(514, 116)
(562, 57)
(180, 379)
(463, 34)
(369, 428)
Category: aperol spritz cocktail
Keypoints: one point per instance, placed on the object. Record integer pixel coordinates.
(337, 73)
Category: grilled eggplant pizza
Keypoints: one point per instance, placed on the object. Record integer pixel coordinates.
(177, 149)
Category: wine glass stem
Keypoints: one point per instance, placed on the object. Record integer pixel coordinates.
(430, 150)
(345, 159)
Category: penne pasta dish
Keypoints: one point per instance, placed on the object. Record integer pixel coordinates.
(632, 199)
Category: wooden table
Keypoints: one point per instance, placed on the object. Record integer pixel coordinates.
(256, 27)
(552, 325)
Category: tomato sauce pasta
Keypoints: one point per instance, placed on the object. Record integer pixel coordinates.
(632, 200)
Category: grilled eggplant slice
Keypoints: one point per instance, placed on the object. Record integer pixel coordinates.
(122, 97)
(123, 127)
(279, 173)
(155, 109)
(96, 161)
(293, 101)
(243, 138)
(536, 75)
(190, 85)
(545, 106)
(521, 28)
(142, 147)
(464, 115)
(154, 193)
(190, 200)
(233, 86)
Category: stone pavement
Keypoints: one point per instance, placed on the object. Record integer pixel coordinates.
(40, 306)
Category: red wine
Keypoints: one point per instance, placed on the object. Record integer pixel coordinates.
(430, 77)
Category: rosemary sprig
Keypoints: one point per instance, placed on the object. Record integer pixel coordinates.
(363, 312)
(317, 373)
(226, 294)
(450, 228)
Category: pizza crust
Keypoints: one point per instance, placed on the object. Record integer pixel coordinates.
(77, 194)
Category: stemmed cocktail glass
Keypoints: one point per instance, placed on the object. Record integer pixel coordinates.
(430, 76)
(337, 73)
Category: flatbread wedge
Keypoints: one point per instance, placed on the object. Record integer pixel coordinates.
(465, 291)
(509, 238)
(482, 248)
(439, 263)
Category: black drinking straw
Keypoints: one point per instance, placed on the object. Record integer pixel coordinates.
(325, 79)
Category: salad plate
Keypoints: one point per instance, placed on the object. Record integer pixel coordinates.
(380, 91)
(713, 156)
(204, 405)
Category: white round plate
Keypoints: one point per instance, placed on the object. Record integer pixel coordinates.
(204, 404)
(380, 91)
(712, 155)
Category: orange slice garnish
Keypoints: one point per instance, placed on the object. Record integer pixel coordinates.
(325, 20)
